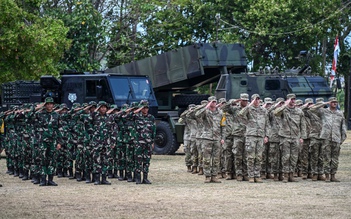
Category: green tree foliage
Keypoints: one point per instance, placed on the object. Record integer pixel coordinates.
(30, 46)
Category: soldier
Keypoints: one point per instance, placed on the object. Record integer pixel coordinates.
(64, 129)
(100, 140)
(10, 140)
(292, 132)
(113, 165)
(144, 144)
(222, 170)
(192, 123)
(266, 166)
(88, 146)
(72, 146)
(333, 133)
(50, 140)
(213, 137)
(256, 136)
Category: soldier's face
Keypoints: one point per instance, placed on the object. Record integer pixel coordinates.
(103, 109)
(49, 106)
(292, 102)
(333, 105)
(145, 110)
(243, 103)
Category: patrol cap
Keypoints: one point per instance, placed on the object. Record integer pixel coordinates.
(212, 98)
(49, 100)
(268, 100)
(254, 96)
(290, 96)
(222, 100)
(332, 99)
(203, 102)
(191, 105)
(319, 100)
(244, 96)
(279, 99)
(144, 103)
(309, 100)
(298, 102)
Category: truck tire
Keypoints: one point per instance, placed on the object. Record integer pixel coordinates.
(165, 141)
(183, 100)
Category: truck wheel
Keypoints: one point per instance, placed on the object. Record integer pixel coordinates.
(165, 142)
(183, 100)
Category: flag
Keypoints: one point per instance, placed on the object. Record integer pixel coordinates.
(335, 58)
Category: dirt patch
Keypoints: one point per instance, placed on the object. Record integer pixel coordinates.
(174, 193)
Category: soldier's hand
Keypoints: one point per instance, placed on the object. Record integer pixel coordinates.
(301, 141)
(222, 141)
(58, 147)
(265, 140)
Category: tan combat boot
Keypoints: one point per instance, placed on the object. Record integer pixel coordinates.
(258, 180)
(251, 180)
(229, 176)
(276, 178)
(333, 179)
(208, 179)
(269, 176)
(189, 169)
(239, 178)
(215, 179)
(291, 178)
(194, 170)
(315, 177)
(304, 176)
(286, 176)
(310, 176)
(246, 178)
(201, 171)
(321, 177)
(263, 175)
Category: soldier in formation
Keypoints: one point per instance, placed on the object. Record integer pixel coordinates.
(278, 140)
(90, 142)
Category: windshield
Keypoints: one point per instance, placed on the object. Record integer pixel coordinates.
(121, 88)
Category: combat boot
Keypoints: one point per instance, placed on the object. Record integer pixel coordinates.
(115, 175)
(88, 177)
(78, 176)
(208, 179)
(110, 174)
(15, 172)
(258, 180)
(251, 180)
(299, 173)
(263, 175)
(321, 177)
(20, 173)
(121, 175)
(70, 173)
(276, 178)
(137, 177)
(50, 180)
(327, 177)
(269, 176)
(333, 179)
(129, 177)
(309, 176)
(291, 178)
(145, 180)
(42, 180)
(194, 170)
(315, 177)
(281, 176)
(104, 181)
(246, 178)
(25, 175)
(229, 176)
(304, 176)
(36, 179)
(84, 175)
(215, 179)
(286, 177)
(239, 178)
(11, 170)
(97, 179)
(201, 171)
(64, 172)
(189, 169)
(59, 173)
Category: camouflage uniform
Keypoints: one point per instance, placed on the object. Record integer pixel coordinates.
(212, 136)
(198, 140)
(292, 130)
(48, 128)
(257, 118)
(10, 139)
(266, 165)
(192, 123)
(334, 134)
(186, 137)
(146, 131)
(63, 154)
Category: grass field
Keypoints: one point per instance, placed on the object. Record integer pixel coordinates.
(174, 193)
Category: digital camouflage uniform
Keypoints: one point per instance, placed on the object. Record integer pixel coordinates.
(293, 128)
(303, 159)
(186, 138)
(334, 134)
(64, 160)
(192, 123)
(257, 118)
(115, 132)
(10, 140)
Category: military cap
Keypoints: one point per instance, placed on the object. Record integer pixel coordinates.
(92, 103)
(191, 105)
(298, 102)
(268, 100)
(134, 105)
(49, 100)
(143, 103)
(84, 105)
(124, 107)
(75, 105)
(309, 100)
(279, 99)
(222, 100)
(212, 98)
(114, 106)
(332, 99)
(63, 106)
(203, 102)
(244, 96)
(319, 100)
(100, 104)
(254, 96)
(290, 96)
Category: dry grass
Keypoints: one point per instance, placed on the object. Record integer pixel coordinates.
(178, 194)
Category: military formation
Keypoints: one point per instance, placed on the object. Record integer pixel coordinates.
(253, 140)
(89, 142)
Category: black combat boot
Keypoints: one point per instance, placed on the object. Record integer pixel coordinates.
(59, 172)
(36, 178)
(10, 170)
(104, 181)
(145, 180)
(110, 175)
(15, 172)
(50, 180)
(42, 180)
(121, 175)
(87, 177)
(65, 174)
(137, 178)
(78, 176)
(115, 175)
(20, 172)
(25, 175)
(70, 173)
(129, 177)
(97, 179)
(84, 175)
